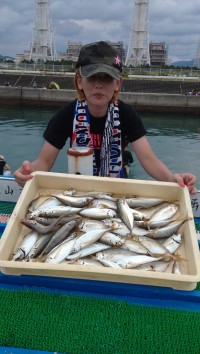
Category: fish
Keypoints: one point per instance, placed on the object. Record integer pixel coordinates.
(135, 246)
(39, 228)
(60, 252)
(113, 254)
(98, 214)
(135, 261)
(54, 211)
(125, 213)
(168, 230)
(112, 239)
(107, 263)
(73, 201)
(25, 246)
(69, 192)
(165, 212)
(91, 224)
(63, 219)
(60, 235)
(141, 202)
(154, 247)
(88, 238)
(177, 269)
(104, 203)
(85, 262)
(138, 215)
(48, 202)
(38, 247)
(138, 231)
(173, 242)
(94, 194)
(155, 266)
(95, 247)
(149, 225)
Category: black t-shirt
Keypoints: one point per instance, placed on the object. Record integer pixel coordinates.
(2, 165)
(60, 127)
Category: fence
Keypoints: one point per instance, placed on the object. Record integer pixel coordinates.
(63, 69)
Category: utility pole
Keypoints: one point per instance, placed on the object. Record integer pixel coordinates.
(42, 45)
(138, 49)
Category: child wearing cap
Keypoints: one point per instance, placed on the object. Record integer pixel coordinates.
(98, 119)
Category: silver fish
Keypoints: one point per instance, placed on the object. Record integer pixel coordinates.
(63, 219)
(60, 235)
(155, 266)
(88, 238)
(149, 225)
(104, 203)
(135, 261)
(25, 246)
(85, 262)
(94, 194)
(173, 242)
(168, 230)
(69, 192)
(138, 215)
(153, 246)
(95, 247)
(135, 246)
(138, 231)
(165, 212)
(177, 269)
(91, 224)
(73, 201)
(107, 263)
(121, 229)
(38, 247)
(54, 211)
(39, 228)
(125, 213)
(111, 239)
(40, 203)
(60, 252)
(143, 202)
(113, 254)
(98, 214)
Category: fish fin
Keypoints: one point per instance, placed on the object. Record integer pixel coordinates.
(178, 258)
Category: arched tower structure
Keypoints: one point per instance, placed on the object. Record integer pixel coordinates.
(197, 57)
(138, 49)
(42, 45)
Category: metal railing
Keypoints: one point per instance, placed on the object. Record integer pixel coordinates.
(67, 69)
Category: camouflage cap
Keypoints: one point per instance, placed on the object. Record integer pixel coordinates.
(99, 57)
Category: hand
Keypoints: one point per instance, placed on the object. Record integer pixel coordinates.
(23, 173)
(186, 179)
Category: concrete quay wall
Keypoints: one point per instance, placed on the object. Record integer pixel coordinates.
(151, 102)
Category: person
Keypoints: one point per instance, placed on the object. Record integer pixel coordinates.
(98, 119)
(127, 160)
(54, 85)
(4, 167)
(34, 84)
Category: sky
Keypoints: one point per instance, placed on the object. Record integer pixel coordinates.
(176, 22)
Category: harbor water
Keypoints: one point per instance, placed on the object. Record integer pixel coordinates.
(175, 138)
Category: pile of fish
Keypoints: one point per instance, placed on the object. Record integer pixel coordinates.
(100, 229)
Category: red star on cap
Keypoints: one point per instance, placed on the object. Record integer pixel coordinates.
(117, 60)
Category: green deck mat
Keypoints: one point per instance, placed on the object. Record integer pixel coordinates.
(76, 324)
(6, 208)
